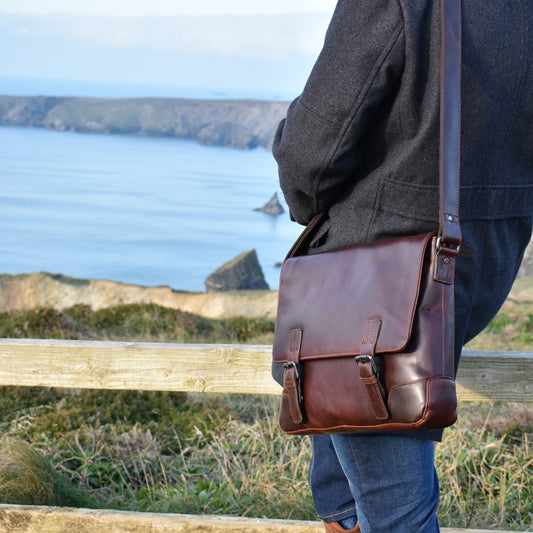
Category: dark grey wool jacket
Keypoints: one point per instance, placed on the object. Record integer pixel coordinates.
(362, 141)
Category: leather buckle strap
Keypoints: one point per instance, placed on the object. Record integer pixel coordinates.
(368, 370)
(445, 262)
(292, 381)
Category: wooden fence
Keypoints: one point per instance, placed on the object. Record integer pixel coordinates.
(483, 376)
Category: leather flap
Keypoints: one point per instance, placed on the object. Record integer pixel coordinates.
(330, 296)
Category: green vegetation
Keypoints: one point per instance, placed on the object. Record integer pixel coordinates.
(201, 453)
(168, 452)
(485, 464)
(132, 322)
(27, 478)
(511, 329)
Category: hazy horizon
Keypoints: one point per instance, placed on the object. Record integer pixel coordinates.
(273, 52)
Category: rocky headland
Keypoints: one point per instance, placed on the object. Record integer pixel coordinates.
(241, 124)
(31, 291)
(40, 289)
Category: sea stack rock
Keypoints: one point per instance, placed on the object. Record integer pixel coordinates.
(272, 207)
(242, 273)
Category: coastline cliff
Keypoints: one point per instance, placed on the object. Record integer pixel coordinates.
(22, 292)
(243, 124)
(39, 290)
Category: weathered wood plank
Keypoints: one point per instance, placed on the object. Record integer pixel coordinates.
(504, 376)
(29, 519)
(137, 366)
(496, 376)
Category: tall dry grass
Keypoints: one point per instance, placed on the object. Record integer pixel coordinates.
(486, 469)
(27, 478)
(237, 462)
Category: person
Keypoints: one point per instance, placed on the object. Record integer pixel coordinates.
(361, 143)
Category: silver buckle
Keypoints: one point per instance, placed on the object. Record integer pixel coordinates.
(286, 366)
(367, 359)
(439, 245)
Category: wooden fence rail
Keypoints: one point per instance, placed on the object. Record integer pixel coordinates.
(483, 376)
(224, 368)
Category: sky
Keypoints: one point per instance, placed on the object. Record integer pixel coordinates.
(218, 44)
(166, 7)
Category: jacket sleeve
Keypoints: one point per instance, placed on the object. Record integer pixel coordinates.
(317, 146)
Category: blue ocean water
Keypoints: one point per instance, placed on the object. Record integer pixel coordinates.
(150, 211)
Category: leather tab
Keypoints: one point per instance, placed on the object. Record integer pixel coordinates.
(292, 379)
(368, 372)
(295, 343)
(292, 389)
(445, 265)
(370, 337)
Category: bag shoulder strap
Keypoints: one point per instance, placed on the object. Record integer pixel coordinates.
(449, 239)
(450, 124)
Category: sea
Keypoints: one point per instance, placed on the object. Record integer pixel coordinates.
(139, 210)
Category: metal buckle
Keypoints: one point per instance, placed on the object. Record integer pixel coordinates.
(439, 245)
(286, 366)
(299, 393)
(367, 359)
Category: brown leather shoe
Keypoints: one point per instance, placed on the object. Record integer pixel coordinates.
(333, 527)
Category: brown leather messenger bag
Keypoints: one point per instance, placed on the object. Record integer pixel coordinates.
(366, 333)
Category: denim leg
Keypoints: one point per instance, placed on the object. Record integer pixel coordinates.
(392, 479)
(330, 489)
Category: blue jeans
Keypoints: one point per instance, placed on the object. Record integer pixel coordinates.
(387, 482)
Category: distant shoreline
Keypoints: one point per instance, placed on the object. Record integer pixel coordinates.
(30, 86)
(241, 124)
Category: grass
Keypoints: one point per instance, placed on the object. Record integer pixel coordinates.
(27, 478)
(510, 330)
(485, 464)
(133, 322)
(168, 452)
(223, 454)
